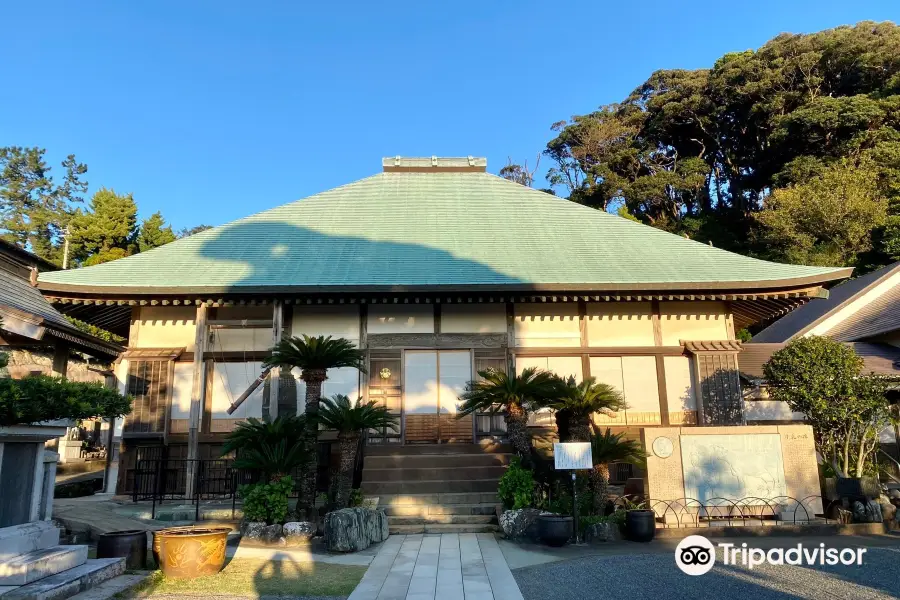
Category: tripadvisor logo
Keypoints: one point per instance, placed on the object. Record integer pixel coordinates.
(696, 555)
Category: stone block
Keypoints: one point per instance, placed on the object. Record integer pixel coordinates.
(603, 532)
(298, 533)
(520, 524)
(354, 529)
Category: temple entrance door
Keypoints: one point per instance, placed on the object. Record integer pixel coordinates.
(432, 383)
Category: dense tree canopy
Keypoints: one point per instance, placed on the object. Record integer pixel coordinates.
(702, 153)
(35, 212)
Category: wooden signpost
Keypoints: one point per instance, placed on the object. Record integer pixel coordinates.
(572, 456)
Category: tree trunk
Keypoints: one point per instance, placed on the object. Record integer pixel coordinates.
(600, 487)
(517, 430)
(307, 500)
(579, 428)
(349, 443)
(563, 422)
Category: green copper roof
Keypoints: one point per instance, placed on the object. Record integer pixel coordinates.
(410, 230)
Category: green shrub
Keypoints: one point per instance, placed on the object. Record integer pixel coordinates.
(356, 497)
(43, 398)
(516, 488)
(617, 518)
(267, 501)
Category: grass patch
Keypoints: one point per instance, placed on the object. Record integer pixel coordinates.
(248, 577)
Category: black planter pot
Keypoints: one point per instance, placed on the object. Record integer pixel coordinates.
(640, 525)
(555, 530)
(130, 544)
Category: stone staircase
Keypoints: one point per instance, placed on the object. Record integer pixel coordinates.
(446, 488)
(34, 566)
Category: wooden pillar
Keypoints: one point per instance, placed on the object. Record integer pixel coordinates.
(270, 401)
(660, 367)
(60, 359)
(198, 394)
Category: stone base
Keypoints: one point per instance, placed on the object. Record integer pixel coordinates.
(28, 537)
(520, 524)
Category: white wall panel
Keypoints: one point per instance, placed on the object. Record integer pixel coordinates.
(229, 381)
(547, 325)
(620, 324)
(564, 366)
(680, 383)
(473, 318)
(684, 321)
(769, 410)
(401, 318)
(336, 321)
(641, 388)
(181, 390)
(166, 327)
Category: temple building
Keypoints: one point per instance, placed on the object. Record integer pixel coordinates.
(437, 270)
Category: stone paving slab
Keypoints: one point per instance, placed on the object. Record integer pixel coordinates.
(448, 566)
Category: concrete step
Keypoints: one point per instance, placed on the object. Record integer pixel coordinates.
(38, 564)
(433, 528)
(439, 499)
(376, 488)
(109, 589)
(480, 448)
(444, 520)
(441, 461)
(439, 510)
(434, 473)
(71, 582)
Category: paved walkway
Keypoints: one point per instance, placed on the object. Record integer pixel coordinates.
(466, 566)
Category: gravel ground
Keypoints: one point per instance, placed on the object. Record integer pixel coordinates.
(656, 576)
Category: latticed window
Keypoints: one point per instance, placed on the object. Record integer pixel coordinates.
(148, 384)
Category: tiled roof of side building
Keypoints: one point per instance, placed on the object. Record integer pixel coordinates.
(452, 227)
(801, 320)
(880, 359)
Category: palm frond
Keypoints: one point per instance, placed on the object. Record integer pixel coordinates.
(611, 447)
(315, 353)
(273, 459)
(585, 398)
(340, 414)
(497, 390)
(254, 433)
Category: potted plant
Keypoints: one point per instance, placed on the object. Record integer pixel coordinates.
(640, 522)
(555, 530)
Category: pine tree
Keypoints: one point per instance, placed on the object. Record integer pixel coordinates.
(154, 233)
(106, 231)
(33, 210)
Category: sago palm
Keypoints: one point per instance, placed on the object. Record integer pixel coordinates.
(350, 420)
(500, 392)
(578, 402)
(314, 356)
(608, 448)
(274, 449)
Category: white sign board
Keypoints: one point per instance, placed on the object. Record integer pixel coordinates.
(572, 455)
(732, 466)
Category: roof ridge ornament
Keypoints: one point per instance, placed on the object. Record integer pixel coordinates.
(434, 164)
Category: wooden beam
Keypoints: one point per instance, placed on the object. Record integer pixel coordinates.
(600, 351)
(198, 393)
(270, 402)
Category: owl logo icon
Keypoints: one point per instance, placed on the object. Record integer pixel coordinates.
(695, 555)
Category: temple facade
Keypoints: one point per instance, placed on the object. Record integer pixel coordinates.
(437, 270)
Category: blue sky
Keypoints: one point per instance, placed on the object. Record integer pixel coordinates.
(210, 111)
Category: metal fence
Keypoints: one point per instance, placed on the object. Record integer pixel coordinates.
(717, 512)
(159, 479)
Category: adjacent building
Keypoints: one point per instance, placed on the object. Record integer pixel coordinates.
(437, 270)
